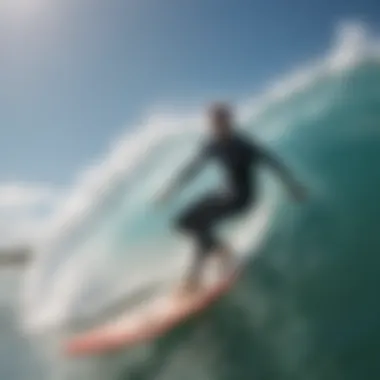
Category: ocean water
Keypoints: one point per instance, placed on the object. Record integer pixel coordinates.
(307, 305)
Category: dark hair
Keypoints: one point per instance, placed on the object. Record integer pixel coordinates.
(221, 109)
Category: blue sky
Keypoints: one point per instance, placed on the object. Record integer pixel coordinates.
(75, 74)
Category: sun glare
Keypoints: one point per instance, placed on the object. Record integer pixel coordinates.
(21, 9)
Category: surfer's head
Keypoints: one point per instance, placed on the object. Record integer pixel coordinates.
(221, 119)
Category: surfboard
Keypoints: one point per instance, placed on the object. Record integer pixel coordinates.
(150, 321)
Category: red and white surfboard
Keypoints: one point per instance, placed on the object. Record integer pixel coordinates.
(147, 322)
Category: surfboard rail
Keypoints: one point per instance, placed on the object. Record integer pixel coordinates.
(147, 322)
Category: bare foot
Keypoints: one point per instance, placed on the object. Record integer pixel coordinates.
(189, 288)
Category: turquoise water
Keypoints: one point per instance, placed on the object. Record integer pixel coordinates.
(307, 305)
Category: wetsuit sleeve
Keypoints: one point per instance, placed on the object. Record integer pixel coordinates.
(193, 168)
(270, 159)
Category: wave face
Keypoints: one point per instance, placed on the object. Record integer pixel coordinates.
(308, 295)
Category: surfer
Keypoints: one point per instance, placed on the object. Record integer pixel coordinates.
(239, 156)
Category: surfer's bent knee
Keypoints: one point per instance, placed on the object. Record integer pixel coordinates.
(182, 224)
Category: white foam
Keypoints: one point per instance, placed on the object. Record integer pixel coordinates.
(351, 46)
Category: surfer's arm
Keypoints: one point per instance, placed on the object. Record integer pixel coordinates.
(187, 173)
(282, 170)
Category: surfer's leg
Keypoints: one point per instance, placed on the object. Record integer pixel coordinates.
(207, 246)
(200, 222)
(223, 210)
(195, 216)
(194, 223)
(214, 247)
(193, 278)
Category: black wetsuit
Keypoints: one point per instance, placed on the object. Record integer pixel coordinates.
(239, 158)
